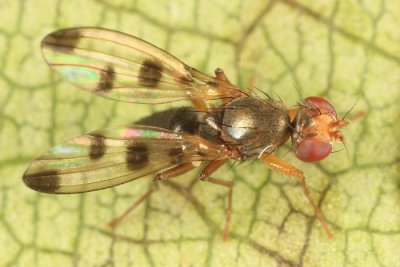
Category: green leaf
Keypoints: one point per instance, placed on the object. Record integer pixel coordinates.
(346, 51)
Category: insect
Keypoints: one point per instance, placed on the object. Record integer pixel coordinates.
(167, 144)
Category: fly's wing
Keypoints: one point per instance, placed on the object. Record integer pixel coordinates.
(125, 68)
(114, 156)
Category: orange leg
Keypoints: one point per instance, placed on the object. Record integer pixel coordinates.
(170, 173)
(283, 167)
(210, 168)
(220, 75)
(205, 176)
(227, 88)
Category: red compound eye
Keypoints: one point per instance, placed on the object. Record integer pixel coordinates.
(322, 104)
(313, 149)
(315, 125)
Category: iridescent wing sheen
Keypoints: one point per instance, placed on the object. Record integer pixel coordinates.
(125, 68)
(114, 156)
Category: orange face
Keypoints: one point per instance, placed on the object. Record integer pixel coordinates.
(316, 126)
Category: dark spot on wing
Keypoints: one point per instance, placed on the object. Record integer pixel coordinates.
(43, 181)
(185, 80)
(97, 147)
(150, 73)
(174, 151)
(65, 40)
(213, 84)
(202, 154)
(107, 78)
(137, 156)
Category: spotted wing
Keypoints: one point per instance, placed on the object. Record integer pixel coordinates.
(114, 156)
(125, 68)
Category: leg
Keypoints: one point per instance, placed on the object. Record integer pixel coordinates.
(283, 167)
(211, 168)
(205, 176)
(173, 172)
(228, 88)
(220, 75)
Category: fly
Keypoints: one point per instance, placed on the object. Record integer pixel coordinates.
(167, 144)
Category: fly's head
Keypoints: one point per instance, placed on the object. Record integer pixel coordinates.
(316, 125)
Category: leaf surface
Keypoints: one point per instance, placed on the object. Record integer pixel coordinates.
(347, 51)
